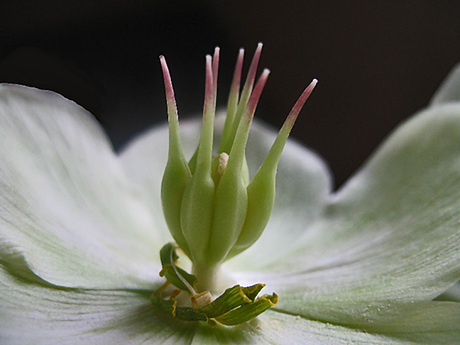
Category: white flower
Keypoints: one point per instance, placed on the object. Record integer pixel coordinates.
(81, 228)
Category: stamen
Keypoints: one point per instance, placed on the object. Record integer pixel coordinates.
(185, 282)
(223, 160)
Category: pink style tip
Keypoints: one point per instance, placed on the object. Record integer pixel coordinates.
(209, 87)
(170, 98)
(294, 113)
(256, 93)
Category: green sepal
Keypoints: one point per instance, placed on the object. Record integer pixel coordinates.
(232, 297)
(252, 291)
(248, 311)
(168, 257)
(189, 314)
(166, 306)
(169, 306)
(237, 305)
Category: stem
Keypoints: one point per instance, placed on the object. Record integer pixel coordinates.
(209, 277)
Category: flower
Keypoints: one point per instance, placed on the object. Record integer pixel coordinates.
(81, 228)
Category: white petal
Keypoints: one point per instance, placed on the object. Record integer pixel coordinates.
(67, 212)
(433, 325)
(34, 313)
(424, 323)
(451, 294)
(37, 314)
(389, 237)
(282, 329)
(449, 91)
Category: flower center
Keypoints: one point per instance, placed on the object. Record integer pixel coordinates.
(212, 208)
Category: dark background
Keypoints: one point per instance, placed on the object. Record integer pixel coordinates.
(377, 61)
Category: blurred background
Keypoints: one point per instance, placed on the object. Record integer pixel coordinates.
(377, 62)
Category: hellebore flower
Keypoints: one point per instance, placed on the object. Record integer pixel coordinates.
(81, 228)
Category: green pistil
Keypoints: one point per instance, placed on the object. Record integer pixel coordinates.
(212, 209)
